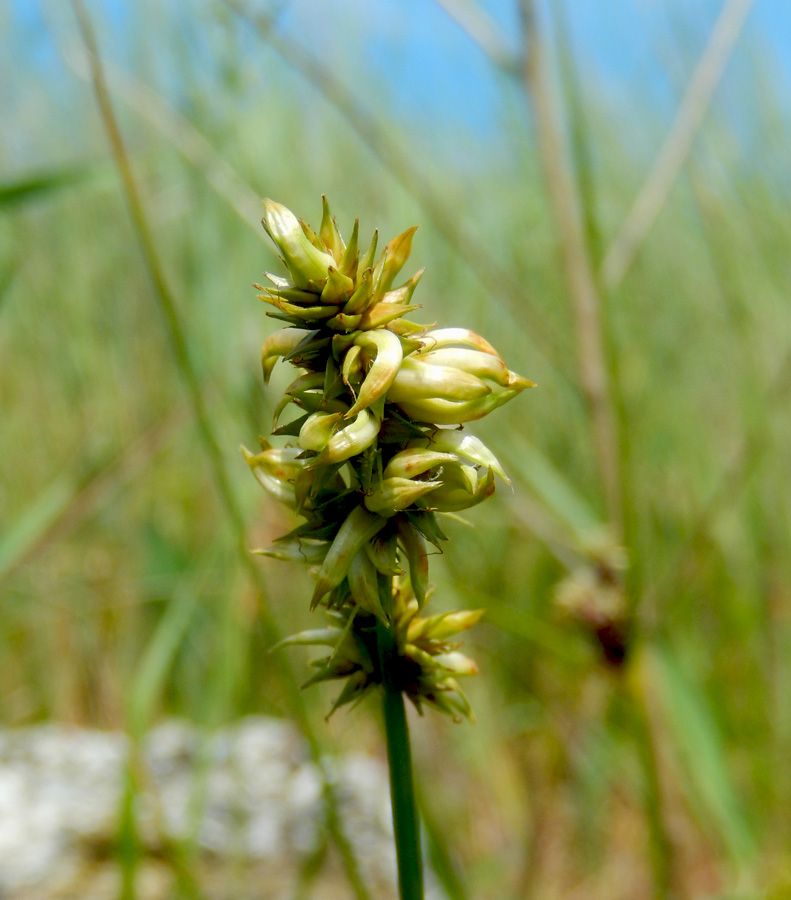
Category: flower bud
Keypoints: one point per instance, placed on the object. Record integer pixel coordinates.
(316, 432)
(392, 260)
(461, 488)
(297, 549)
(343, 323)
(415, 461)
(441, 411)
(364, 585)
(338, 288)
(381, 314)
(360, 526)
(457, 663)
(392, 495)
(414, 546)
(444, 625)
(417, 380)
(438, 338)
(276, 470)
(473, 362)
(329, 233)
(348, 262)
(350, 441)
(278, 344)
(305, 262)
(362, 295)
(388, 356)
(463, 444)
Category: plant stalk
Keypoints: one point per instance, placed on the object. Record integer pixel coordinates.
(583, 289)
(402, 788)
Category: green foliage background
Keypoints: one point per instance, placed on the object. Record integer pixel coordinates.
(123, 595)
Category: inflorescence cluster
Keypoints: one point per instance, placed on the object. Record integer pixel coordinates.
(376, 451)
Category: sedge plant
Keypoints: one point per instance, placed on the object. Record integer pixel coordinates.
(376, 452)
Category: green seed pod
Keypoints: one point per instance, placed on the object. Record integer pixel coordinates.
(286, 291)
(319, 637)
(342, 322)
(404, 293)
(382, 550)
(352, 368)
(308, 314)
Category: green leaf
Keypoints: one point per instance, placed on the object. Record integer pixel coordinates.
(700, 746)
(34, 522)
(158, 657)
(14, 193)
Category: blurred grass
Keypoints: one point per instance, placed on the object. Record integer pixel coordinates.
(117, 558)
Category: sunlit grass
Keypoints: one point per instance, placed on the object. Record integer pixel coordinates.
(108, 537)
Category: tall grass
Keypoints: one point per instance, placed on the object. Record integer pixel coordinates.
(117, 555)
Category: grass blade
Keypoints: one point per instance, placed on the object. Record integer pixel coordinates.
(701, 748)
(17, 541)
(35, 187)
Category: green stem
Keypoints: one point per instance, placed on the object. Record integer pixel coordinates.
(660, 847)
(402, 788)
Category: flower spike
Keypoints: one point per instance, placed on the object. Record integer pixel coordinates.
(373, 458)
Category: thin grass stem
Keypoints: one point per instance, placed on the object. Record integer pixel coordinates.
(578, 268)
(677, 144)
(188, 373)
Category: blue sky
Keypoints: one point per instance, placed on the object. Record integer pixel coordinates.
(429, 70)
(431, 65)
